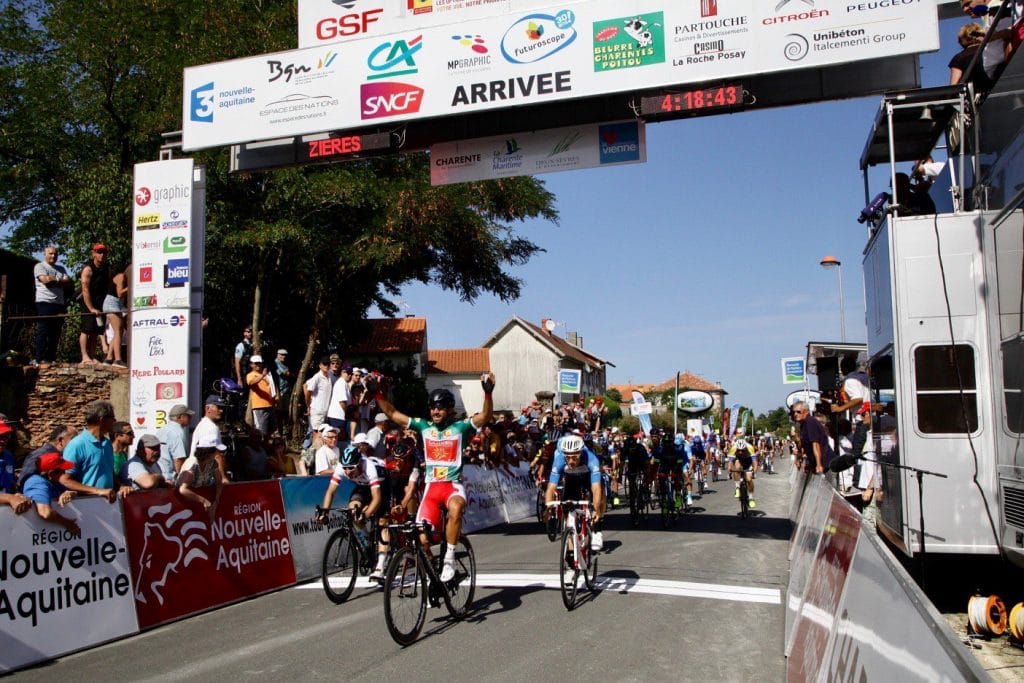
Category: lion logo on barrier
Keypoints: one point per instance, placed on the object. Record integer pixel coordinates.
(170, 541)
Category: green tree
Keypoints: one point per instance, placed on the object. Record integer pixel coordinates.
(301, 254)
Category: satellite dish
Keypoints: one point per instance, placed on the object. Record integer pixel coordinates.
(549, 325)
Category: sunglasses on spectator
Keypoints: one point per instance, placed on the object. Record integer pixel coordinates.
(128, 433)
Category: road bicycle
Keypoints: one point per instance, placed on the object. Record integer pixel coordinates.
(699, 481)
(639, 497)
(350, 551)
(744, 497)
(413, 579)
(667, 500)
(713, 467)
(576, 556)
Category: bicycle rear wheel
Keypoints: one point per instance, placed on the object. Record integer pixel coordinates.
(590, 568)
(463, 586)
(744, 500)
(405, 596)
(568, 569)
(339, 566)
(540, 506)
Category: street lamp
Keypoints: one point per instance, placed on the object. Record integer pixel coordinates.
(833, 262)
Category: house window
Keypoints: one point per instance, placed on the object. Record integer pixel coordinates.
(1013, 383)
(940, 409)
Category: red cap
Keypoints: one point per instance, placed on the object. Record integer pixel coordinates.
(99, 247)
(5, 428)
(865, 407)
(53, 461)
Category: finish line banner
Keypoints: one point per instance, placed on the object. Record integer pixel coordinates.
(544, 151)
(534, 56)
(59, 593)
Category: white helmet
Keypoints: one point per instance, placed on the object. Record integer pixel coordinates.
(570, 443)
(740, 443)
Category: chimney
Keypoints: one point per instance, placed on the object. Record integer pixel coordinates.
(571, 337)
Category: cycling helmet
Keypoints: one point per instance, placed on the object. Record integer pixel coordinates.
(740, 444)
(679, 439)
(400, 450)
(441, 398)
(570, 444)
(350, 457)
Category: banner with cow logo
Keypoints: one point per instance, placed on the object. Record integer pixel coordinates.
(308, 537)
(60, 593)
(185, 561)
(379, 62)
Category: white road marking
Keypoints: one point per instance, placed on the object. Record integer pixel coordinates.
(617, 584)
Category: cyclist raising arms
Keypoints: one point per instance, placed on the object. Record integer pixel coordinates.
(443, 444)
(578, 465)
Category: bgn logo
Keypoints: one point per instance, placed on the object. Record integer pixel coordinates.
(389, 99)
(201, 103)
(399, 60)
(176, 273)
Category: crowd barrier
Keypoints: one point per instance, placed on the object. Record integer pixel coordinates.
(852, 611)
(153, 558)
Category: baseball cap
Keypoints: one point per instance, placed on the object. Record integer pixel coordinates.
(53, 461)
(102, 248)
(215, 400)
(335, 358)
(180, 410)
(282, 352)
(256, 359)
(359, 438)
(210, 442)
(5, 428)
(149, 440)
(324, 428)
(381, 417)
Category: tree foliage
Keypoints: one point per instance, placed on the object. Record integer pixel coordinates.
(91, 87)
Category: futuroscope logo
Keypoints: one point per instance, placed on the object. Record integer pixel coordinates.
(538, 36)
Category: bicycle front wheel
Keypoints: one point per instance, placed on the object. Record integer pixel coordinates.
(540, 506)
(339, 566)
(590, 568)
(568, 569)
(744, 501)
(405, 596)
(463, 586)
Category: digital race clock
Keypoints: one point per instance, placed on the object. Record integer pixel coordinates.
(692, 100)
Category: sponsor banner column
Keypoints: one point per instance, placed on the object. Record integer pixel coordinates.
(58, 593)
(185, 561)
(308, 537)
(518, 493)
(162, 218)
(483, 497)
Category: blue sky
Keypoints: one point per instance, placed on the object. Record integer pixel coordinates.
(706, 258)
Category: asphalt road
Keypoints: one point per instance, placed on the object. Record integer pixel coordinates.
(701, 601)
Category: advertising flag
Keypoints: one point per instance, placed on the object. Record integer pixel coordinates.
(645, 419)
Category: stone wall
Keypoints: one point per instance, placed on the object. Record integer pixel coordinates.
(38, 400)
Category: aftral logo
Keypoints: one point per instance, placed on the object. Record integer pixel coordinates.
(389, 99)
(396, 58)
(176, 273)
(175, 244)
(628, 42)
(620, 142)
(538, 36)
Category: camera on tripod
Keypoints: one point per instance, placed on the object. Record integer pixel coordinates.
(230, 392)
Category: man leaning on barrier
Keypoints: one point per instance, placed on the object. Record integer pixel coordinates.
(45, 487)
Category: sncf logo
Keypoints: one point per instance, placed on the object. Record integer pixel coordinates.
(389, 99)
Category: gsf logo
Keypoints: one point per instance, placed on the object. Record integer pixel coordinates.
(347, 24)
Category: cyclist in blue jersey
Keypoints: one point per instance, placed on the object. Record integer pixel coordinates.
(686, 465)
(578, 466)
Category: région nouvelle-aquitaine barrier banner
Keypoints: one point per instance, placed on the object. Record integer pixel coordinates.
(183, 561)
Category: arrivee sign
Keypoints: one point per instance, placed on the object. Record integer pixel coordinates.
(183, 561)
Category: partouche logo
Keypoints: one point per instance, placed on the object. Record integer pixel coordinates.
(538, 36)
(708, 8)
(55, 570)
(203, 101)
(629, 42)
(620, 142)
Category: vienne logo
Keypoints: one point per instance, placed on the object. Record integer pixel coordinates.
(169, 542)
(620, 142)
(796, 48)
(538, 36)
(201, 103)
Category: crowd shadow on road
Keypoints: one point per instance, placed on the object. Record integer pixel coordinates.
(757, 525)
